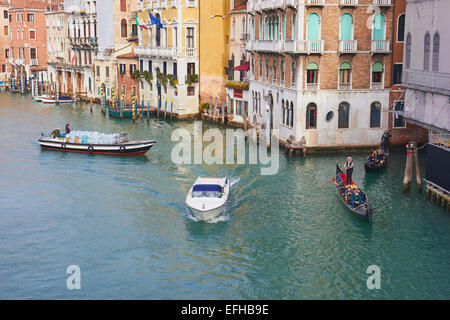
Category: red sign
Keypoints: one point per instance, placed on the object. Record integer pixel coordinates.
(238, 93)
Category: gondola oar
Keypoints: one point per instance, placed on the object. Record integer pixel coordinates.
(330, 180)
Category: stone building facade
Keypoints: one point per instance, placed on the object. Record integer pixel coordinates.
(321, 70)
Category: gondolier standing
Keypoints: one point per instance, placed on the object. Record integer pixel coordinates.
(349, 170)
(385, 140)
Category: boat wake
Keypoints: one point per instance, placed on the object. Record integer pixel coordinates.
(222, 218)
(234, 181)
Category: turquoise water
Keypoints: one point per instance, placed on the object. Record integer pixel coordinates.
(123, 221)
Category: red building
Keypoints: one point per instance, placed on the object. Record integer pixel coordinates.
(126, 66)
(28, 39)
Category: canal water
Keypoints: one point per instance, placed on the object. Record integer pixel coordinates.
(123, 221)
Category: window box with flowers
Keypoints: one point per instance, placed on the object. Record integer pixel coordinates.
(237, 85)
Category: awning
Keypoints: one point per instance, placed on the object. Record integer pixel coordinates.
(207, 187)
(243, 67)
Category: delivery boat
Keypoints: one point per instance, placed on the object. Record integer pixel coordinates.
(207, 197)
(88, 142)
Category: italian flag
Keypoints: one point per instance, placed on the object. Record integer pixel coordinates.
(140, 23)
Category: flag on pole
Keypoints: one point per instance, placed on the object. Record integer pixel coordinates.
(140, 23)
(155, 21)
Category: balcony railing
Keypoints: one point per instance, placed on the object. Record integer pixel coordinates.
(155, 51)
(348, 46)
(312, 46)
(380, 46)
(312, 86)
(292, 46)
(19, 61)
(191, 52)
(382, 2)
(315, 2)
(376, 85)
(34, 62)
(344, 86)
(348, 3)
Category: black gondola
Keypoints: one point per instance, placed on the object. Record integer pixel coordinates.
(374, 167)
(363, 211)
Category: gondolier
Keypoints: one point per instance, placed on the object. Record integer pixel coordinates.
(349, 170)
(385, 140)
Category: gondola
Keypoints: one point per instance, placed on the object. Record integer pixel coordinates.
(374, 167)
(362, 211)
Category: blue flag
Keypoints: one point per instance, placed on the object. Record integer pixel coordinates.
(153, 20)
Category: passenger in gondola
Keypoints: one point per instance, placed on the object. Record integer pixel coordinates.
(349, 170)
(68, 128)
(362, 196)
(357, 200)
(347, 193)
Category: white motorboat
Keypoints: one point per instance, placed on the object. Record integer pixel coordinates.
(39, 98)
(208, 196)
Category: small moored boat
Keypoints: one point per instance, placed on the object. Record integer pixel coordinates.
(363, 211)
(208, 196)
(371, 166)
(61, 99)
(119, 147)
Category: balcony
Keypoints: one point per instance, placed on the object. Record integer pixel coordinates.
(376, 85)
(344, 86)
(348, 46)
(348, 3)
(265, 45)
(311, 46)
(426, 81)
(382, 3)
(34, 62)
(312, 86)
(191, 52)
(11, 60)
(20, 61)
(59, 54)
(315, 3)
(156, 51)
(380, 46)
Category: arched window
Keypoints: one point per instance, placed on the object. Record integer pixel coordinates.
(283, 107)
(436, 44)
(375, 115)
(408, 51)
(275, 71)
(291, 109)
(233, 29)
(282, 70)
(346, 27)
(294, 26)
(426, 52)
(313, 27)
(344, 115)
(260, 69)
(401, 28)
(311, 116)
(377, 75)
(259, 103)
(378, 27)
(123, 28)
(123, 5)
(345, 76)
(287, 113)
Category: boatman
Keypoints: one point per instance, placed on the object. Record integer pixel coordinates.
(349, 170)
(385, 140)
(68, 128)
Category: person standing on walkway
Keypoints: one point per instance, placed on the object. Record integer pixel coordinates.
(349, 170)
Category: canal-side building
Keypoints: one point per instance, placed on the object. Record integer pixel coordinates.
(77, 75)
(5, 67)
(57, 44)
(128, 83)
(321, 70)
(117, 36)
(426, 78)
(189, 53)
(401, 130)
(238, 94)
(28, 41)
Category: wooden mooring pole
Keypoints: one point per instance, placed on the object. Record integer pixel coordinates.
(416, 162)
(408, 169)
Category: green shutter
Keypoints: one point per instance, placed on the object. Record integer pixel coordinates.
(345, 66)
(378, 27)
(312, 66)
(346, 27)
(377, 67)
(313, 26)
